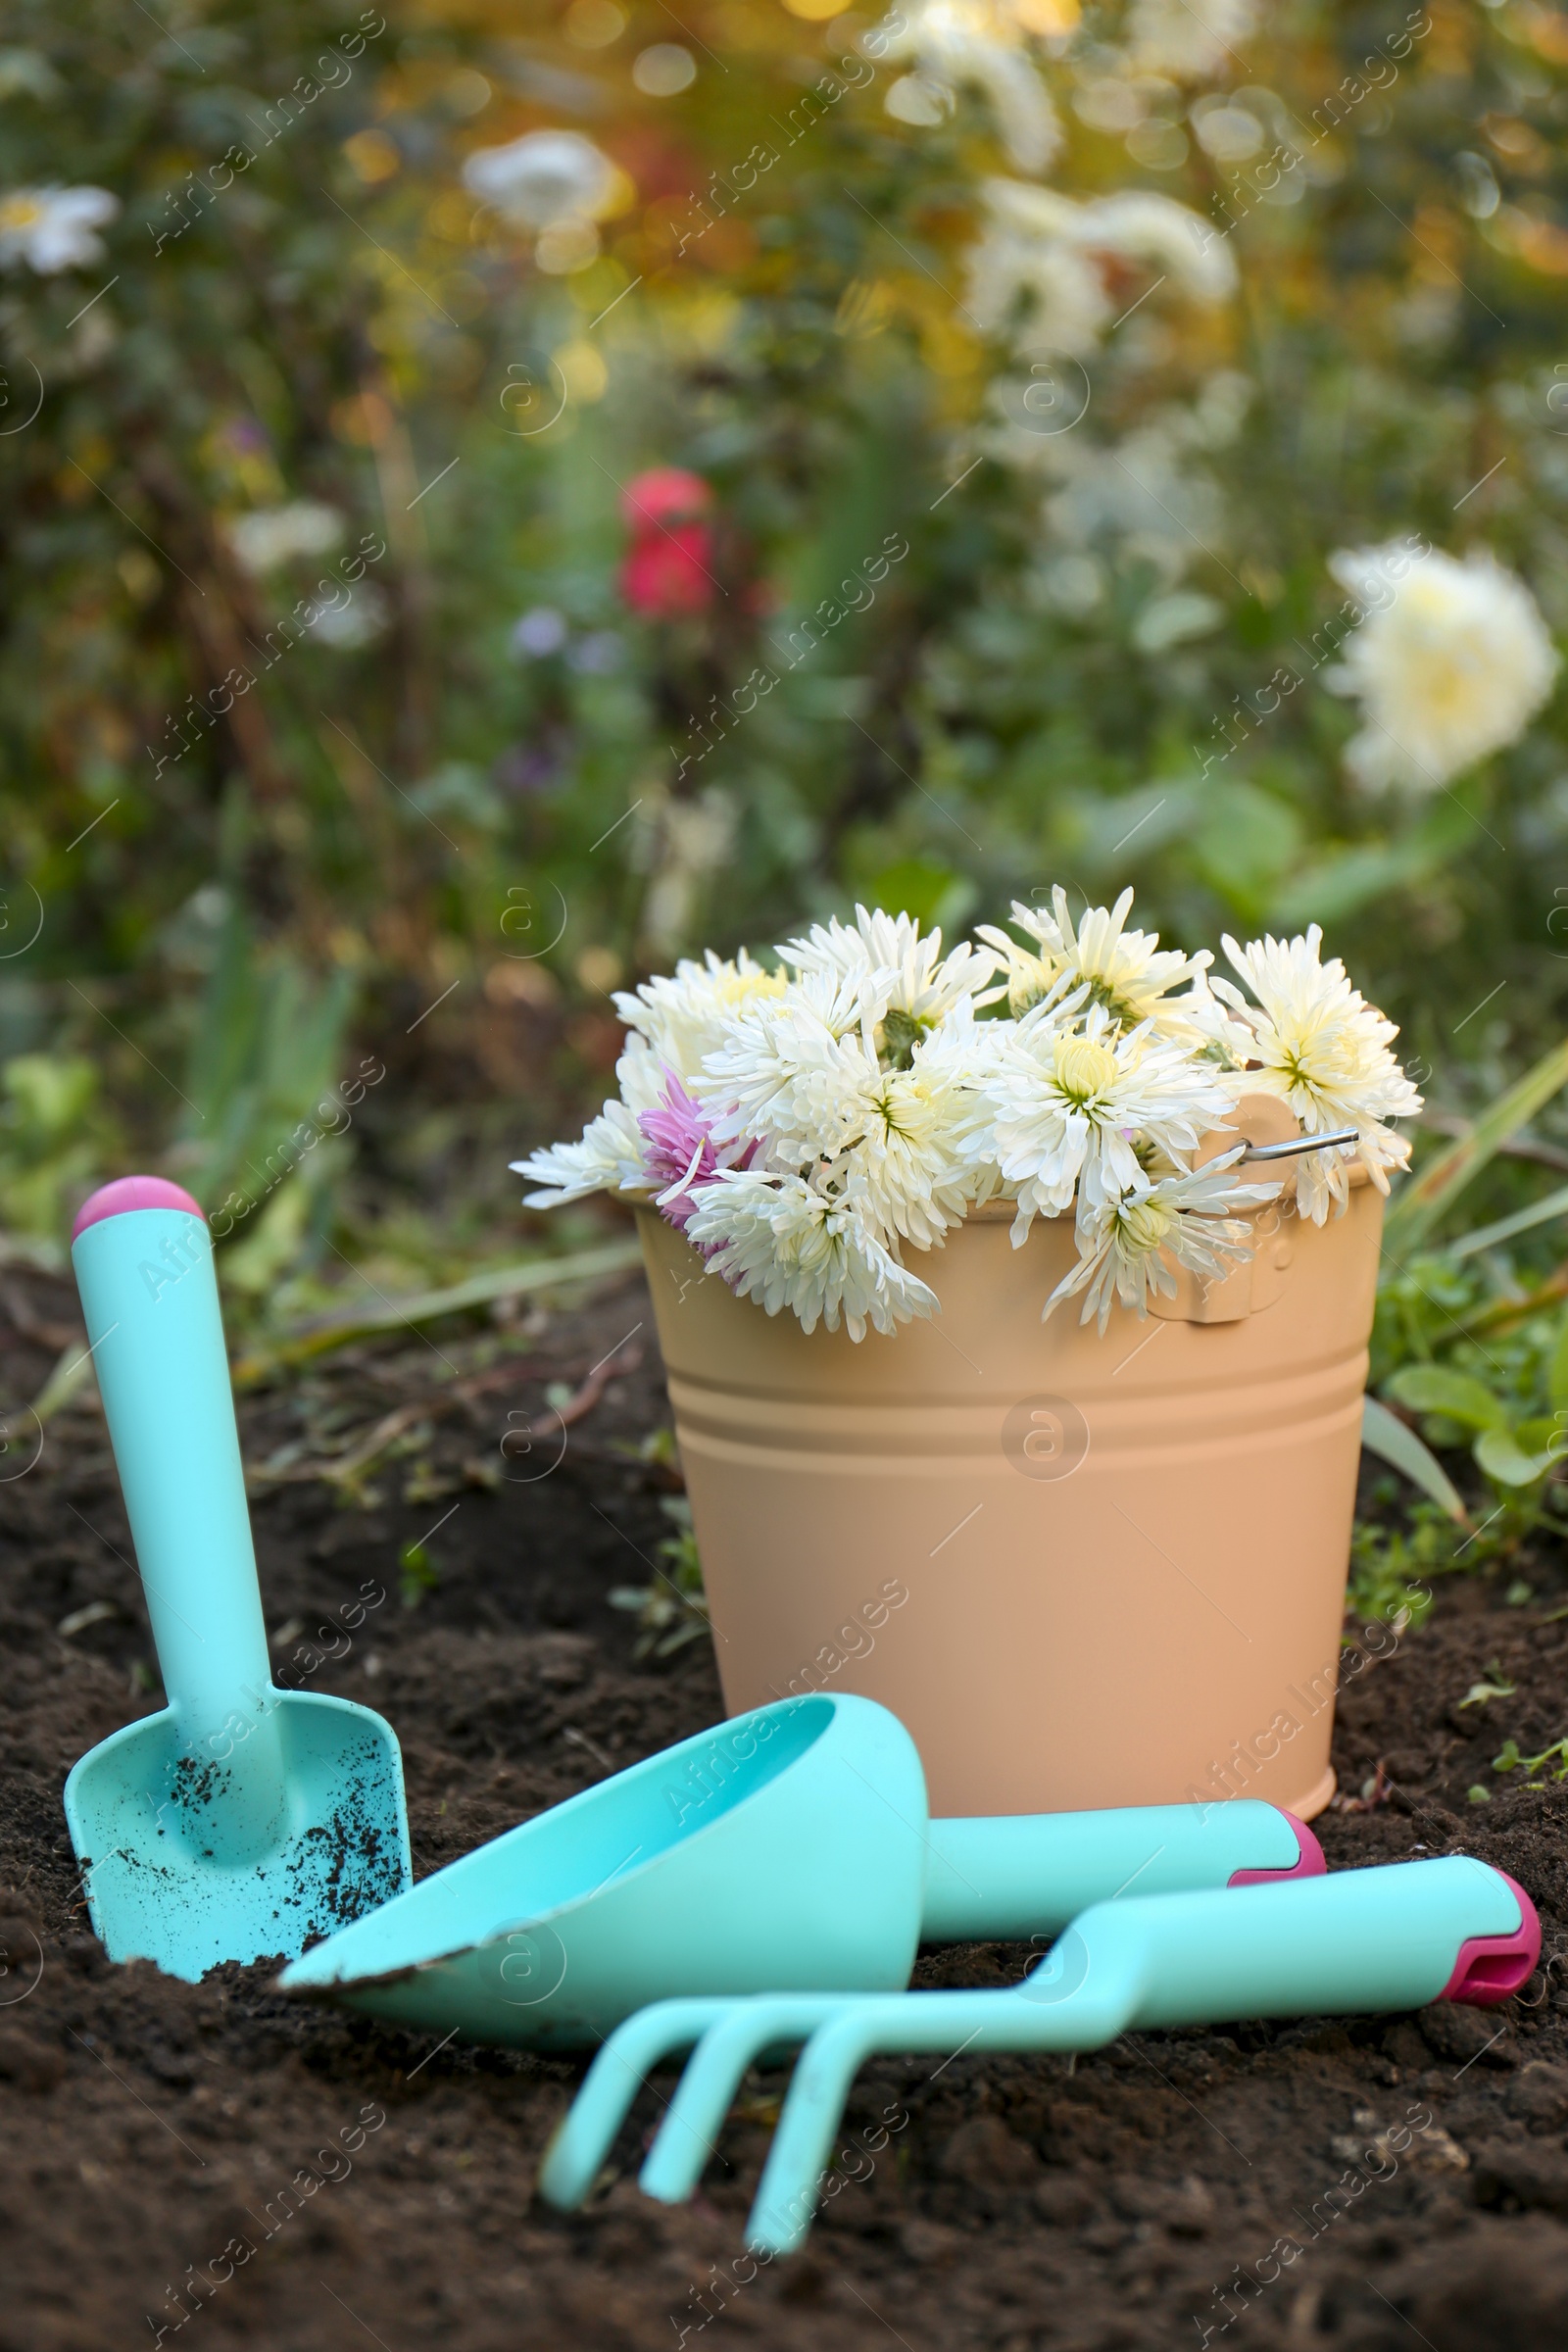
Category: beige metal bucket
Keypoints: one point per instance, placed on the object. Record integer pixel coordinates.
(1084, 1570)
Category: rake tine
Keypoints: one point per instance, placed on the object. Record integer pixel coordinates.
(687, 2136)
(587, 2132)
(798, 2160)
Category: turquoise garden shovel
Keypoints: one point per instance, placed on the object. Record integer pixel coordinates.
(1393, 1937)
(243, 1820)
(789, 1850)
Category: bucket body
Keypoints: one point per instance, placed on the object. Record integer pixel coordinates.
(1084, 1569)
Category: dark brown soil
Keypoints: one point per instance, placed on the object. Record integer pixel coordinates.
(1173, 2190)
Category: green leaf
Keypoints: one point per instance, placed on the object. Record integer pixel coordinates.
(1481, 1694)
(1457, 1395)
(1384, 1433)
(1558, 1373)
(1247, 839)
(1428, 1196)
(1339, 879)
(1502, 1457)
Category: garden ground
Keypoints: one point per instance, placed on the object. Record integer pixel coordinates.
(336, 2182)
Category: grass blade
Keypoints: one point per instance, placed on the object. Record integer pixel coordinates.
(427, 1306)
(1384, 1433)
(72, 1370)
(1427, 1196)
(1487, 1237)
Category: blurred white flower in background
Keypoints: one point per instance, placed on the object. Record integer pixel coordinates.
(51, 228)
(1451, 662)
(979, 41)
(691, 840)
(664, 70)
(918, 100)
(1193, 40)
(543, 178)
(348, 626)
(1226, 130)
(272, 536)
(1058, 257)
(1148, 495)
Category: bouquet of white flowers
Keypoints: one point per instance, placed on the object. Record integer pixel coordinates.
(801, 1126)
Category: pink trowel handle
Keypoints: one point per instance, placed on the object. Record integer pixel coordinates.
(1309, 1863)
(1493, 1968)
(131, 1191)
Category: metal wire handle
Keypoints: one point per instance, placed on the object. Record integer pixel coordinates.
(1298, 1143)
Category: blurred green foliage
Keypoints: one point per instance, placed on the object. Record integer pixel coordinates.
(340, 323)
(288, 460)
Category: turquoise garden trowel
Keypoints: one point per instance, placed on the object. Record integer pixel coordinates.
(243, 1820)
(788, 1849)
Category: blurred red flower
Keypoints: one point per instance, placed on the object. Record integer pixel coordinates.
(667, 572)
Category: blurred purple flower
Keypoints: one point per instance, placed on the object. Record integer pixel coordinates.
(529, 769)
(540, 632)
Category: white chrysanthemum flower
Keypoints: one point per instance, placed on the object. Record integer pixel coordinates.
(1060, 1115)
(802, 1074)
(1324, 1051)
(978, 41)
(796, 1069)
(1126, 972)
(1218, 1036)
(270, 536)
(803, 1130)
(1451, 662)
(921, 986)
(612, 1153)
(787, 1242)
(1054, 255)
(52, 228)
(1134, 1243)
(906, 1166)
(1191, 39)
(682, 1017)
(608, 1158)
(545, 176)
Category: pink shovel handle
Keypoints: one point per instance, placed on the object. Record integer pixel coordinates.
(131, 1191)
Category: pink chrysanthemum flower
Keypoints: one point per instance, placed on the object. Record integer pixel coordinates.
(681, 1151)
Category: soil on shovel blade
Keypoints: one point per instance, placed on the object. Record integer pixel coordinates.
(211, 2163)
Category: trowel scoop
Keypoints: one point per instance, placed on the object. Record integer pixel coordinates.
(1394, 1937)
(243, 1819)
(788, 1849)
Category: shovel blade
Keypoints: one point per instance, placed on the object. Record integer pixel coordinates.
(179, 1868)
